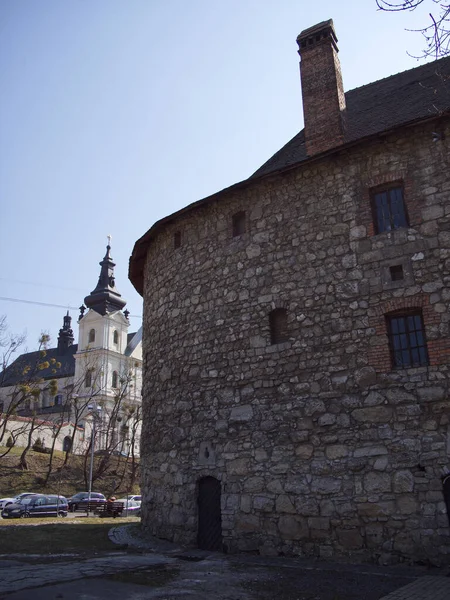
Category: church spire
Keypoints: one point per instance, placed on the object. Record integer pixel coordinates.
(105, 297)
(65, 337)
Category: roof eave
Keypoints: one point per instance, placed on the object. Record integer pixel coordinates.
(138, 256)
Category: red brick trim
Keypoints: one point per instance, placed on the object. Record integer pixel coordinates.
(412, 202)
(379, 355)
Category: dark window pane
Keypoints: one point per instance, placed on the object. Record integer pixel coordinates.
(407, 340)
(389, 209)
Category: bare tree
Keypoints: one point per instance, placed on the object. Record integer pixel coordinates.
(437, 33)
(24, 391)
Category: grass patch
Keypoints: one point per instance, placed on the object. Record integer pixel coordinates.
(40, 536)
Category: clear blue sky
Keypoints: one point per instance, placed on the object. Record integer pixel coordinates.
(115, 113)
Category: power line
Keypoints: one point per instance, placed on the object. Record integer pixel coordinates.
(46, 285)
(67, 307)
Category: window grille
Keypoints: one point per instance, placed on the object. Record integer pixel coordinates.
(407, 340)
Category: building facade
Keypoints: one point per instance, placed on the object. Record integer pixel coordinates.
(296, 334)
(71, 384)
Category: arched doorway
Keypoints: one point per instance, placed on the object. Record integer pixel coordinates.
(67, 443)
(209, 514)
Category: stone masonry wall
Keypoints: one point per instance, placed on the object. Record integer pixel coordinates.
(320, 446)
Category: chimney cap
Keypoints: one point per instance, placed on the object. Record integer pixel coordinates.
(311, 36)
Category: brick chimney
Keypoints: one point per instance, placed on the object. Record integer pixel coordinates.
(322, 88)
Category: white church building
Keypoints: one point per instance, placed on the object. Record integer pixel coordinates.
(65, 388)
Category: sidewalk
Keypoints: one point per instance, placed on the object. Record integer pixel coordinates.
(153, 569)
(424, 588)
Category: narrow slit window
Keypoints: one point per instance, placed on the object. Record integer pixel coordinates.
(407, 342)
(116, 337)
(115, 379)
(88, 379)
(238, 222)
(278, 326)
(177, 239)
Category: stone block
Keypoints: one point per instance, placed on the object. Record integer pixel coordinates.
(263, 503)
(372, 414)
(326, 485)
(247, 523)
(292, 528)
(304, 451)
(336, 451)
(407, 505)
(254, 484)
(376, 509)
(284, 505)
(377, 483)
(350, 538)
(403, 481)
(238, 466)
(241, 413)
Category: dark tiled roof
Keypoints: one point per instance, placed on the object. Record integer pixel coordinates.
(410, 96)
(375, 108)
(14, 373)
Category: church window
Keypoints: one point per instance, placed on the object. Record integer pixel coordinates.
(58, 400)
(115, 379)
(238, 222)
(92, 336)
(278, 326)
(388, 208)
(116, 336)
(177, 239)
(406, 334)
(88, 379)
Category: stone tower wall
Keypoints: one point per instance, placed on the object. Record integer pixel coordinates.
(320, 446)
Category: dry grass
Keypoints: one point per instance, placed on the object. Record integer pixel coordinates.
(67, 481)
(81, 536)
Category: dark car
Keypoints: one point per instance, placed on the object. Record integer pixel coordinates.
(81, 500)
(38, 505)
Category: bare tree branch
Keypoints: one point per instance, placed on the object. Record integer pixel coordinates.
(437, 34)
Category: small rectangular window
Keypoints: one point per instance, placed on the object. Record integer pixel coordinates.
(407, 340)
(396, 272)
(238, 223)
(177, 239)
(388, 209)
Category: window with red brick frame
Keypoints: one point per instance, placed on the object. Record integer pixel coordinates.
(388, 208)
(407, 343)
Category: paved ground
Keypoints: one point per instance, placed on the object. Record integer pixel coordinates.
(159, 570)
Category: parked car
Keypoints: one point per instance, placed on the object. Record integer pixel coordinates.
(80, 500)
(137, 498)
(131, 508)
(37, 505)
(5, 501)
